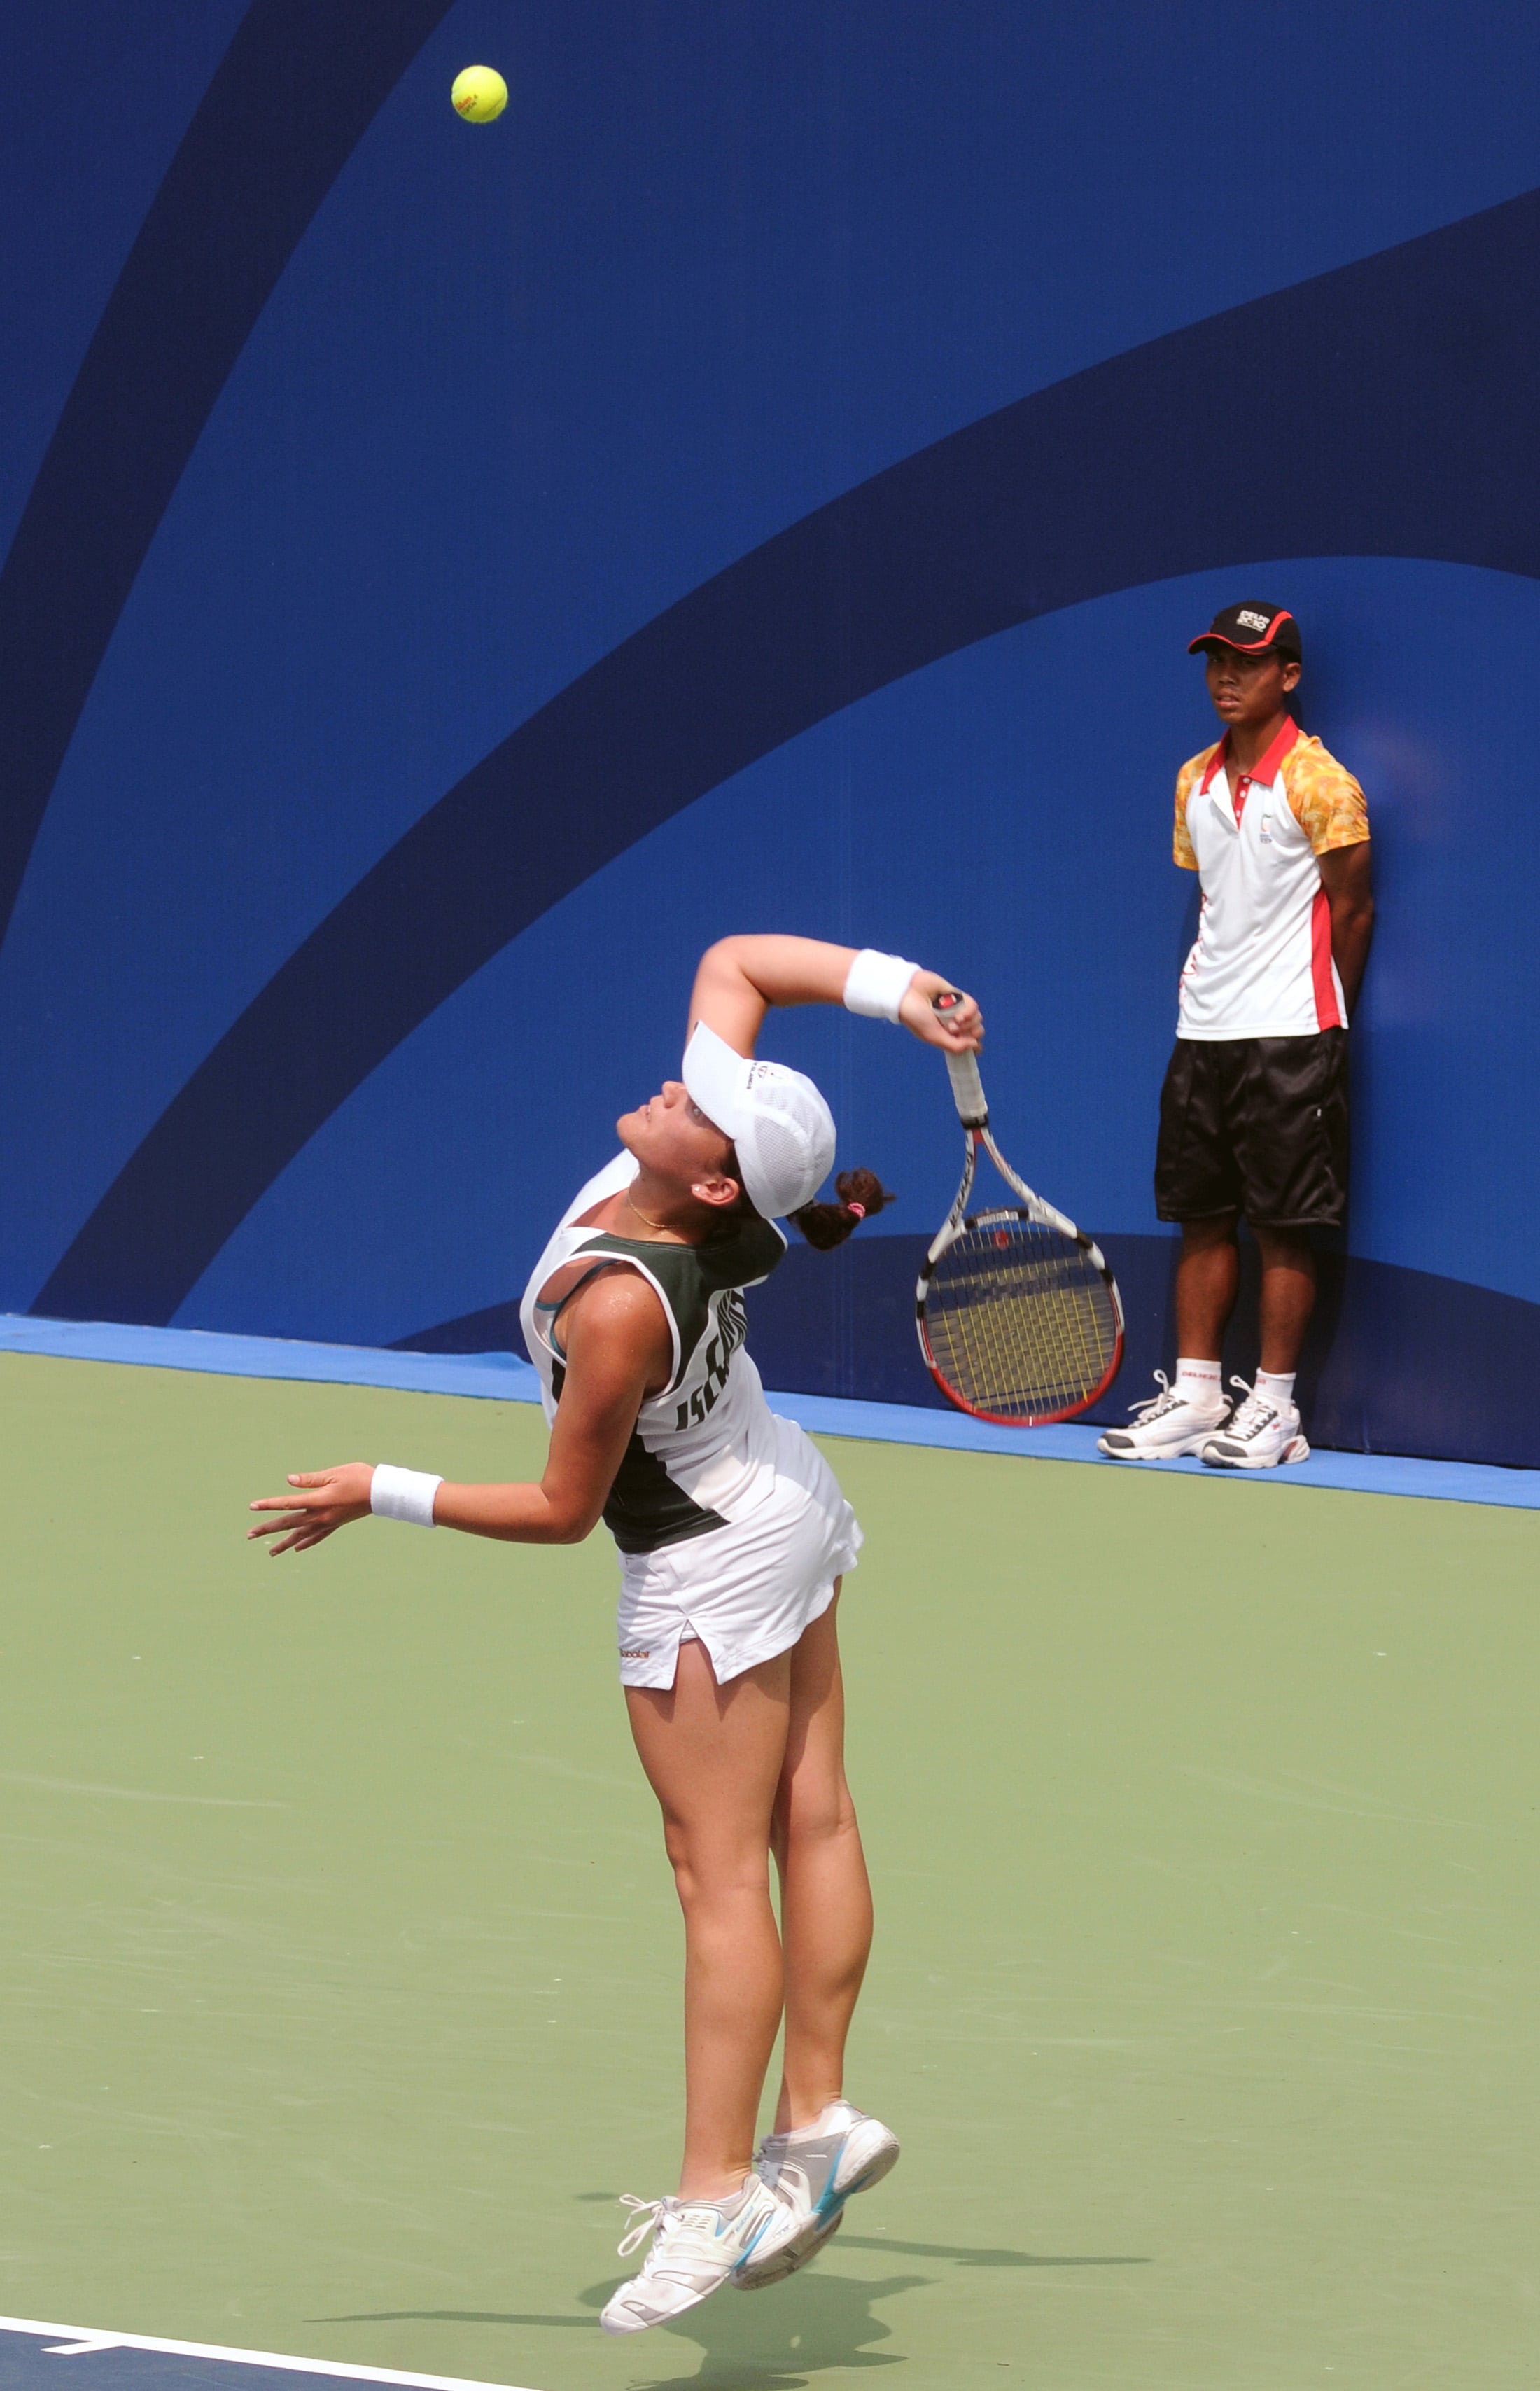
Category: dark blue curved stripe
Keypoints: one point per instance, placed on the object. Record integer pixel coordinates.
(1388, 409)
(297, 88)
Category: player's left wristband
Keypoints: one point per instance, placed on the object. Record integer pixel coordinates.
(402, 1495)
(876, 984)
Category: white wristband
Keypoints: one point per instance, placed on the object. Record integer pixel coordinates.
(402, 1495)
(877, 983)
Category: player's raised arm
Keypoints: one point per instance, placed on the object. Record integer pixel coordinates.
(740, 979)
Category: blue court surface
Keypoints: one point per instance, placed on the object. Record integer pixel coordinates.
(29, 2353)
(505, 1378)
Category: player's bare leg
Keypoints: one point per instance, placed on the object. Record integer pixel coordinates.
(1182, 1417)
(825, 1898)
(823, 2150)
(1208, 1275)
(713, 1756)
(1265, 1426)
(1288, 1297)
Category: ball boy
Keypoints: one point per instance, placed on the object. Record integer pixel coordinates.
(1254, 1109)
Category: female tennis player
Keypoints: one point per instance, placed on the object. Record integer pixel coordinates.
(734, 1538)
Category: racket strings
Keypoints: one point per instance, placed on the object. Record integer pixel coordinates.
(1018, 1321)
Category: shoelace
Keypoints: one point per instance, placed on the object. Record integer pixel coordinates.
(1155, 1407)
(649, 2214)
(1251, 1414)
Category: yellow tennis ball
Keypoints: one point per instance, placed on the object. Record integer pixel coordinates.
(480, 95)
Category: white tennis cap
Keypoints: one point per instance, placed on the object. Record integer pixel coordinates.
(778, 1122)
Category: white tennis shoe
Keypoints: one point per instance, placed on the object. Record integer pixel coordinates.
(1165, 1426)
(1259, 1434)
(844, 2152)
(694, 2250)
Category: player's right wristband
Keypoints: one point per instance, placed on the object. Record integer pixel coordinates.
(877, 985)
(402, 1495)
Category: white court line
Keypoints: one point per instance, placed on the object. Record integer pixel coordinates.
(85, 2341)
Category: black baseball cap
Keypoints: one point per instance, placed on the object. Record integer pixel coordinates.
(1255, 628)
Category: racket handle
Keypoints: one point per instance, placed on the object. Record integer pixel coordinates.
(968, 1091)
(968, 1088)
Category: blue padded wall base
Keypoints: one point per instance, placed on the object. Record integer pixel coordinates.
(1396, 1362)
(504, 1377)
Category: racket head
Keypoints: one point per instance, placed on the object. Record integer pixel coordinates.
(1018, 1323)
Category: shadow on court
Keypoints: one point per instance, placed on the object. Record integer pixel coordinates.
(747, 2341)
(976, 2257)
(774, 2342)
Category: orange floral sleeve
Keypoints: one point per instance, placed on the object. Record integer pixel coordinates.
(1326, 800)
(1187, 779)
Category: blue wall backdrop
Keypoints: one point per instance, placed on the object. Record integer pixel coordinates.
(768, 480)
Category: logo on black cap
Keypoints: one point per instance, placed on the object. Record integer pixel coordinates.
(1254, 629)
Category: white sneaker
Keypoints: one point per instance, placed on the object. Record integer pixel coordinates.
(1165, 1426)
(694, 2250)
(1258, 1435)
(817, 2169)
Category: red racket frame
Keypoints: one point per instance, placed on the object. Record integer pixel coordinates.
(973, 1111)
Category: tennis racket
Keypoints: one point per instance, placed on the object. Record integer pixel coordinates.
(1020, 1318)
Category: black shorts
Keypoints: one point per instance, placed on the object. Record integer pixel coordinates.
(1256, 1125)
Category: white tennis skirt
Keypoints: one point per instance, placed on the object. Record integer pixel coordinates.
(746, 1590)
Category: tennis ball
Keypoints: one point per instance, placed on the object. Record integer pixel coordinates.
(480, 95)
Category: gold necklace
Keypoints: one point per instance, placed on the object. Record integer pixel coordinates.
(661, 1226)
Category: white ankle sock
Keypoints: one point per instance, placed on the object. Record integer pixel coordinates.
(1198, 1381)
(1277, 1385)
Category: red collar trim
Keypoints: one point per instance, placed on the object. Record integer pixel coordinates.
(1265, 769)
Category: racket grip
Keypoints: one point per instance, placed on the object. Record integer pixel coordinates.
(967, 1089)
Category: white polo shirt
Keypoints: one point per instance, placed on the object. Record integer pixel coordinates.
(1261, 964)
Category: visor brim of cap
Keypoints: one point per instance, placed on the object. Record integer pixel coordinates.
(1282, 648)
(714, 1074)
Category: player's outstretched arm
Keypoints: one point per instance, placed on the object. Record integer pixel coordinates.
(617, 1351)
(739, 979)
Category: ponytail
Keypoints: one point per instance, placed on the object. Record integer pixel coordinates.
(827, 1225)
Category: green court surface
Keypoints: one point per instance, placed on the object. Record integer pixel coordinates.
(340, 1964)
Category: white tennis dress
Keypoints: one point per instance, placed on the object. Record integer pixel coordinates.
(730, 1524)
